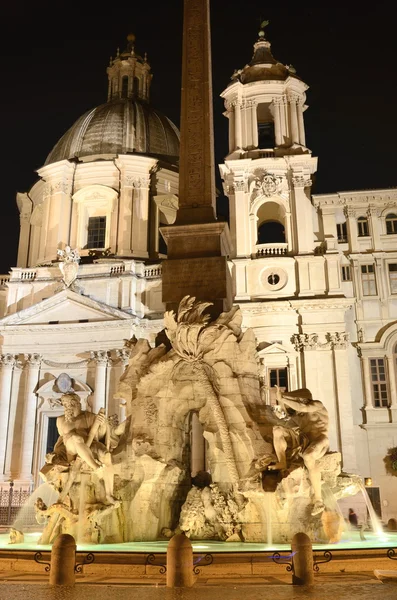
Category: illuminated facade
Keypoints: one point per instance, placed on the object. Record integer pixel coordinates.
(315, 275)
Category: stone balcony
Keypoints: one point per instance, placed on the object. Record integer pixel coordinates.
(4, 279)
(100, 269)
(270, 250)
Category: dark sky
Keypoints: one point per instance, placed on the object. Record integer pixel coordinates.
(54, 58)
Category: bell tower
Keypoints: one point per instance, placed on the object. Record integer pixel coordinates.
(264, 104)
(267, 176)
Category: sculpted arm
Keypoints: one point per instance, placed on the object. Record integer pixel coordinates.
(308, 407)
(311, 406)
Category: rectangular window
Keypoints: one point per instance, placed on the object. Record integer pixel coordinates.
(52, 434)
(368, 280)
(346, 273)
(277, 377)
(96, 232)
(341, 229)
(362, 226)
(379, 383)
(393, 278)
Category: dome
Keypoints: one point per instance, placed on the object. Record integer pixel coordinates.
(263, 66)
(120, 126)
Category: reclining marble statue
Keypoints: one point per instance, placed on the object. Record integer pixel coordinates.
(132, 482)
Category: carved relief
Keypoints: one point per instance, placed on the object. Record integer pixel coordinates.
(339, 340)
(69, 265)
(101, 357)
(124, 355)
(309, 341)
(266, 184)
(300, 181)
(33, 360)
(7, 360)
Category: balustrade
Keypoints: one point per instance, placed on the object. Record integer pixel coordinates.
(265, 250)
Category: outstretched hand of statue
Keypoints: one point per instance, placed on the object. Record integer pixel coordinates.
(279, 394)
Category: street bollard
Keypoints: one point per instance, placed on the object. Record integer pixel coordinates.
(302, 560)
(63, 560)
(179, 562)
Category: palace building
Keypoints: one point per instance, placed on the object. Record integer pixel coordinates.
(314, 275)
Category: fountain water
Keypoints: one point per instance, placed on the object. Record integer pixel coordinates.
(377, 527)
(25, 518)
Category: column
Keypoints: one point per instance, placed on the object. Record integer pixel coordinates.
(232, 141)
(245, 131)
(254, 124)
(101, 359)
(294, 119)
(301, 124)
(7, 362)
(373, 214)
(303, 213)
(140, 217)
(237, 125)
(25, 212)
(370, 410)
(284, 121)
(32, 366)
(340, 343)
(352, 231)
(277, 121)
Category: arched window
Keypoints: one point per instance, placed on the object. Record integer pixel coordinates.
(266, 136)
(362, 225)
(124, 87)
(136, 86)
(271, 232)
(391, 223)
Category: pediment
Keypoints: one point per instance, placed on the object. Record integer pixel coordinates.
(275, 348)
(65, 307)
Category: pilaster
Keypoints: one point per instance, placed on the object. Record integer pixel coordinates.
(32, 365)
(101, 358)
(7, 363)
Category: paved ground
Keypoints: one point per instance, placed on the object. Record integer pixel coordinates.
(364, 587)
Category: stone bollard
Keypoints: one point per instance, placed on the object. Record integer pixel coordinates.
(63, 560)
(302, 560)
(179, 562)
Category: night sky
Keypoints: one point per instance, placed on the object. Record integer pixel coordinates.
(54, 59)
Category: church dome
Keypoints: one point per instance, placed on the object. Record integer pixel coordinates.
(121, 126)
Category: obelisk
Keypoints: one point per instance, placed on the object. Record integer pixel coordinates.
(197, 244)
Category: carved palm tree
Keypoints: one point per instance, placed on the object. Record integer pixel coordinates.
(192, 336)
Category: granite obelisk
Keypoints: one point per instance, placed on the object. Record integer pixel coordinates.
(197, 244)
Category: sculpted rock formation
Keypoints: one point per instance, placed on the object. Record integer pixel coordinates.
(132, 482)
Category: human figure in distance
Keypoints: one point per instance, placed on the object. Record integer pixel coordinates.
(75, 427)
(307, 430)
(353, 520)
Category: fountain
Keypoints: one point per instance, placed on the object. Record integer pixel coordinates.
(270, 473)
(131, 482)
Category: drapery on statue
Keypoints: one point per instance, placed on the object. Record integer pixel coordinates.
(306, 430)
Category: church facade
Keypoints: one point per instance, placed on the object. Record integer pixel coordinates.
(314, 275)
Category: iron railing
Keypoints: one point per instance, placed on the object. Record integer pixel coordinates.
(11, 502)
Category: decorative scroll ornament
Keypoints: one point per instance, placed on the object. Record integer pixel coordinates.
(69, 266)
(269, 185)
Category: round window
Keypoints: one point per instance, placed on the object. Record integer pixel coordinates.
(273, 279)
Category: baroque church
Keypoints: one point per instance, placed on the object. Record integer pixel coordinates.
(315, 275)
